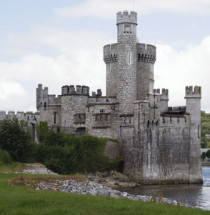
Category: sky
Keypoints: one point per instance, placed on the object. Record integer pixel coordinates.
(60, 42)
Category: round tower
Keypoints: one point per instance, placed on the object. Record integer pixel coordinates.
(146, 57)
(110, 58)
(193, 107)
(126, 61)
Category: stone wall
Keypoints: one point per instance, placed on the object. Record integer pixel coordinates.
(71, 105)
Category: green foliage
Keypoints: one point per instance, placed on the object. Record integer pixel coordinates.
(203, 155)
(15, 138)
(64, 153)
(5, 157)
(205, 129)
(208, 154)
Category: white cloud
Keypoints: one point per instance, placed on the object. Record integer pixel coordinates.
(176, 69)
(79, 60)
(8, 88)
(106, 8)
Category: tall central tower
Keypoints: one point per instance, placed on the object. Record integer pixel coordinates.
(126, 72)
(129, 65)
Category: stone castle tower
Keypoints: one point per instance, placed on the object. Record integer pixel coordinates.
(129, 64)
(159, 144)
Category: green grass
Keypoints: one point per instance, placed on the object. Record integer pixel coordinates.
(12, 167)
(17, 200)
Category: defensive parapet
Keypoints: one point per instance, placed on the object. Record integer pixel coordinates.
(193, 92)
(98, 94)
(110, 53)
(2, 115)
(126, 17)
(159, 100)
(71, 90)
(54, 100)
(146, 53)
(29, 117)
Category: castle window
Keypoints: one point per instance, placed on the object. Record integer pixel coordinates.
(127, 29)
(45, 106)
(198, 131)
(54, 117)
(129, 58)
(102, 111)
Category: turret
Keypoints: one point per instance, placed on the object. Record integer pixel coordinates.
(193, 107)
(126, 25)
(126, 61)
(42, 100)
(164, 100)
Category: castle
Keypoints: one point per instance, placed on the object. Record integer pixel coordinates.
(159, 144)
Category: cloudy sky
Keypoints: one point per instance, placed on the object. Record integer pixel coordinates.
(59, 42)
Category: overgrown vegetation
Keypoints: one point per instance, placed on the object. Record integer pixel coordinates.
(58, 151)
(205, 155)
(17, 200)
(205, 129)
(15, 139)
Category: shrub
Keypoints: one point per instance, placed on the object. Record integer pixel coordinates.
(5, 157)
(203, 155)
(208, 154)
(64, 153)
(15, 138)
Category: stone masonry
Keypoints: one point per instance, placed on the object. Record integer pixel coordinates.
(159, 144)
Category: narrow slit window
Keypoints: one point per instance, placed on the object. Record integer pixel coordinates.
(54, 116)
(45, 106)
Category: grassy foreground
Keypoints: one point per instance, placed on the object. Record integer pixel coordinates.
(24, 201)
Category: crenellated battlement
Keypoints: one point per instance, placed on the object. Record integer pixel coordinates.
(97, 94)
(190, 90)
(146, 53)
(54, 100)
(174, 120)
(127, 17)
(29, 116)
(78, 90)
(110, 53)
(164, 91)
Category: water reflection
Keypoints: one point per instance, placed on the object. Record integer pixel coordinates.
(190, 195)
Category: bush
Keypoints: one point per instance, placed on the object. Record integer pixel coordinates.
(5, 157)
(203, 155)
(15, 138)
(208, 154)
(64, 153)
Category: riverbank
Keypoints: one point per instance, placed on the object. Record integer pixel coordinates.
(206, 164)
(23, 200)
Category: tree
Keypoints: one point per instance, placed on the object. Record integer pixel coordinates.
(42, 131)
(208, 154)
(203, 155)
(15, 138)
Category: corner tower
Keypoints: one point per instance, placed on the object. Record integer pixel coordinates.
(193, 107)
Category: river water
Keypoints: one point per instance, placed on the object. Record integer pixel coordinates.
(190, 195)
